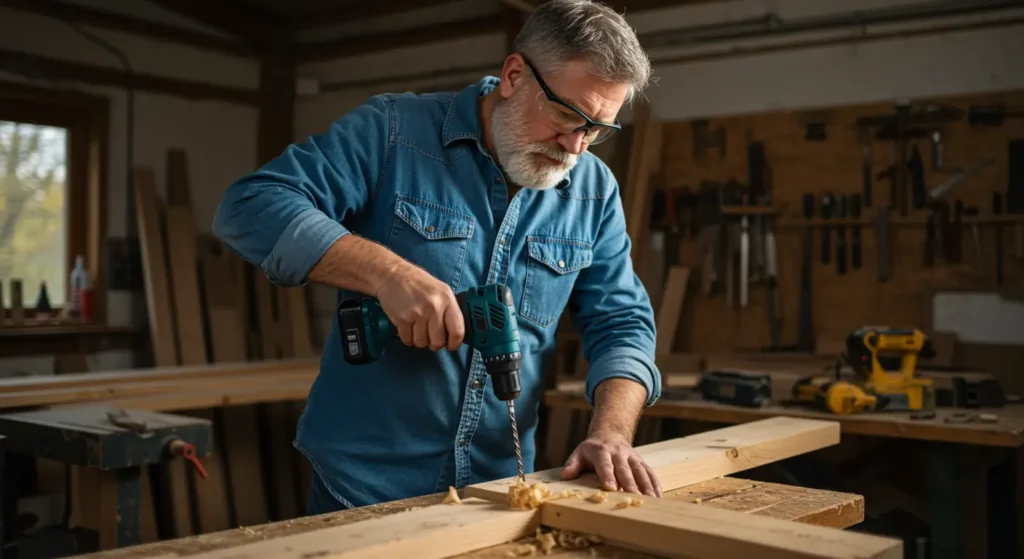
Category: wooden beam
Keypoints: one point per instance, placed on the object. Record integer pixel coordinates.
(257, 31)
(689, 460)
(668, 527)
(367, 44)
(49, 68)
(361, 11)
(525, 6)
(104, 19)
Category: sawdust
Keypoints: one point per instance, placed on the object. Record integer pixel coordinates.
(547, 540)
(522, 496)
(452, 498)
(598, 497)
(629, 502)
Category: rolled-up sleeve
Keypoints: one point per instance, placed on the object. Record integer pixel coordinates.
(612, 310)
(285, 215)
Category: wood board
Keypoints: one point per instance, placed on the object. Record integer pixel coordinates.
(688, 460)
(445, 530)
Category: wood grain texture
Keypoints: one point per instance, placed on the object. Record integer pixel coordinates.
(431, 532)
(797, 504)
(154, 269)
(688, 460)
(673, 528)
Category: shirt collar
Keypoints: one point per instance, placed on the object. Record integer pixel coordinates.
(463, 119)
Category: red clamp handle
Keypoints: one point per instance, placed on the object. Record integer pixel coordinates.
(187, 451)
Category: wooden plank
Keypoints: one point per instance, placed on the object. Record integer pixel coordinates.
(799, 504)
(672, 527)
(688, 460)
(188, 313)
(159, 374)
(154, 270)
(431, 532)
(671, 308)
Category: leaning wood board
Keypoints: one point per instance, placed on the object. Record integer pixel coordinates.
(688, 460)
(445, 530)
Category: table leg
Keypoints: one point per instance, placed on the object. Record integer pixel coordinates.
(1005, 492)
(129, 506)
(946, 495)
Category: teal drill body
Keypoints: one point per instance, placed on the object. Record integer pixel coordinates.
(491, 328)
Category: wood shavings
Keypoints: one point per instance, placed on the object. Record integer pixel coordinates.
(598, 497)
(452, 498)
(629, 502)
(699, 501)
(522, 496)
(544, 542)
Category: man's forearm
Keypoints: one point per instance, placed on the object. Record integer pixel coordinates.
(618, 403)
(356, 264)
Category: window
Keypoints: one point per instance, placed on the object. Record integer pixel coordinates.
(52, 155)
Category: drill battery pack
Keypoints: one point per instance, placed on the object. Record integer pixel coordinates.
(752, 390)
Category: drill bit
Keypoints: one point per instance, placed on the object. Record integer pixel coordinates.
(515, 439)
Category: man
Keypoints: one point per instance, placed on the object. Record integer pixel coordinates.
(414, 198)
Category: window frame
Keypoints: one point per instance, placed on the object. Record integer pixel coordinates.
(87, 120)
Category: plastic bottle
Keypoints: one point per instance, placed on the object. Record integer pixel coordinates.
(81, 291)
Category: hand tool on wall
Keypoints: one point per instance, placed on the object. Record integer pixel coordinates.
(991, 115)
(866, 177)
(997, 210)
(855, 232)
(956, 233)
(937, 150)
(971, 213)
(752, 390)
(733, 195)
(840, 201)
(948, 184)
(759, 180)
(916, 171)
(826, 237)
(806, 328)
(883, 225)
(744, 279)
(491, 329)
(710, 216)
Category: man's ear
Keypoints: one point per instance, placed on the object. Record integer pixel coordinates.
(513, 75)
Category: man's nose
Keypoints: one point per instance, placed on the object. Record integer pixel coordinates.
(573, 143)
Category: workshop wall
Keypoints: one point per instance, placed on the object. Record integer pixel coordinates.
(219, 138)
(842, 302)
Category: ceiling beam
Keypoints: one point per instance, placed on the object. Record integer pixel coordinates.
(117, 22)
(35, 66)
(363, 11)
(378, 42)
(252, 28)
(525, 6)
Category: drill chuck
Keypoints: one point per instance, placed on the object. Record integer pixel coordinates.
(504, 373)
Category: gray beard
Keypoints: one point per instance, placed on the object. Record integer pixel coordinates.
(515, 155)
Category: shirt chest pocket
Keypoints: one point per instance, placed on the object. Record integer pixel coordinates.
(552, 265)
(432, 236)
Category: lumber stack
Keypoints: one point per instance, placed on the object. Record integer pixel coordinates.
(483, 518)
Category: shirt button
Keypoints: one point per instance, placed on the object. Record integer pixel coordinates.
(497, 180)
(476, 384)
(430, 228)
(561, 263)
(501, 241)
(463, 442)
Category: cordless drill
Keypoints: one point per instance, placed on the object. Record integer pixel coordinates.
(491, 328)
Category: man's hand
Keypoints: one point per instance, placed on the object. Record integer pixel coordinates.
(423, 309)
(616, 462)
(608, 449)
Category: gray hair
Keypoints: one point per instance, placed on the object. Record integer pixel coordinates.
(561, 30)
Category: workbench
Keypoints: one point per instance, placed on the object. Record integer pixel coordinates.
(798, 504)
(944, 442)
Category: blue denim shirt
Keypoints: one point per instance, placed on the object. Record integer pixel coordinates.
(412, 173)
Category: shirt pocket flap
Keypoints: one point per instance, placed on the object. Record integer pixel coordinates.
(433, 221)
(561, 255)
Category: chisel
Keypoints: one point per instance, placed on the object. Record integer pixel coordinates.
(805, 326)
(855, 204)
(866, 174)
(841, 234)
(826, 241)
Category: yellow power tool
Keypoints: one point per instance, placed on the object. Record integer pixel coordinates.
(885, 361)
